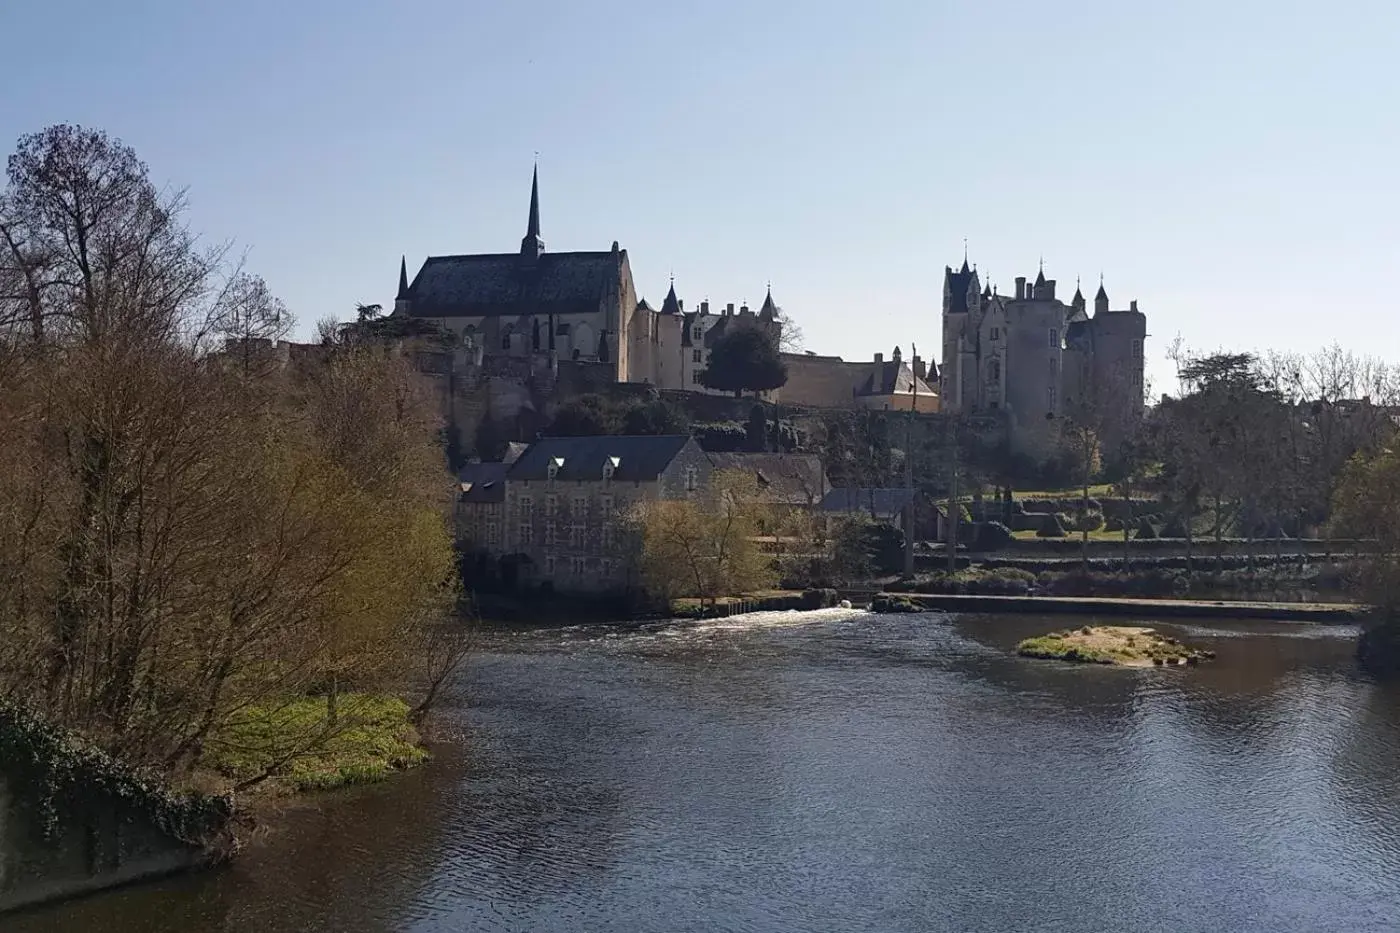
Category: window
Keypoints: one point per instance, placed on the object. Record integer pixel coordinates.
(549, 565)
(561, 330)
(996, 333)
(550, 535)
(695, 377)
(692, 479)
(607, 536)
(551, 505)
(579, 566)
(505, 338)
(579, 508)
(994, 371)
(1137, 349)
(696, 332)
(1052, 396)
(1054, 339)
(605, 567)
(1054, 366)
(493, 534)
(697, 356)
(576, 536)
(555, 465)
(527, 509)
(527, 533)
(605, 505)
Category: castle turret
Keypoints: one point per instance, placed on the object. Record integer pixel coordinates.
(672, 304)
(769, 311)
(1101, 299)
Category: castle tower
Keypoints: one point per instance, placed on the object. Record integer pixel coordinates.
(1101, 299)
(532, 247)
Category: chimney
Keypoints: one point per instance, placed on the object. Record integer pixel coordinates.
(1020, 287)
(1050, 288)
(1132, 305)
(879, 359)
(729, 308)
(744, 309)
(705, 306)
(919, 372)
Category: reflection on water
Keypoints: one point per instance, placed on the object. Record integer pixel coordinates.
(846, 772)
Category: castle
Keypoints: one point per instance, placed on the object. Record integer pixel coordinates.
(1032, 359)
(577, 306)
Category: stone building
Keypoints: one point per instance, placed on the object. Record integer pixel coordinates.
(569, 306)
(882, 385)
(1031, 358)
(566, 500)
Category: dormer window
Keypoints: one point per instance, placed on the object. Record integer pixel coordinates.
(610, 466)
(555, 465)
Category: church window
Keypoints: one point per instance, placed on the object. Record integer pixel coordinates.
(1054, 339)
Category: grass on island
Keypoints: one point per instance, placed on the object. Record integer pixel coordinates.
(372, 739)
(1124, 645)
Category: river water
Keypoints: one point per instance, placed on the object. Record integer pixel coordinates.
(840, 771)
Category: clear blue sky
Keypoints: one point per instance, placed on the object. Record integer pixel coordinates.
(1230, 164)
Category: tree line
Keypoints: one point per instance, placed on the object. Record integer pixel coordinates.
(190, 527)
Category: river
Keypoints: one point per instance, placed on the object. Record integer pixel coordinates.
(841, 771)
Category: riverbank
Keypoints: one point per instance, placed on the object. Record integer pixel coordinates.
(1333, 613)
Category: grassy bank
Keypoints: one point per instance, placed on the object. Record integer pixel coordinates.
(298, 748)
(1127, 646)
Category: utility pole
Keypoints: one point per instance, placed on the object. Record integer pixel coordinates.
(909, 466)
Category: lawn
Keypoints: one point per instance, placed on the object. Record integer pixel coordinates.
(1100, 535)
(372, 739)
(1096, 491)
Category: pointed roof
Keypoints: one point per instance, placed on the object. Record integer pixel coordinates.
(534, 223)
(769, 310)
(1040, 277)
(987, 290)
(403, 278)
(1078, 294)
(965, 268)
(532, 246)
(672, 304)
(643, 306)
(1102, 295)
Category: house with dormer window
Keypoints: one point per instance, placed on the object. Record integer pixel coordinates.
(566, 502)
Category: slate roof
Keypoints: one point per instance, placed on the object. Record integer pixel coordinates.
(671, 304)
(486, 480)
(957, 288)
(500, 284)
(641, 458)
(894, 378)
(783, 479)
(854, 499)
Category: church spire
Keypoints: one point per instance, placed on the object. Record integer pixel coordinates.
(403, 279)
(769, 311)
(532, 246)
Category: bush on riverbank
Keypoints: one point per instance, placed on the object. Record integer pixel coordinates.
(295, 746)
(1111, 644)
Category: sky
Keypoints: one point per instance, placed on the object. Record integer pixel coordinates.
(1229, 164)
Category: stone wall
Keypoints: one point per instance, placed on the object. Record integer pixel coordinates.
(73, 821)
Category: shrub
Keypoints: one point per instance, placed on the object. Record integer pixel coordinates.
(1145, 531)
(1085, 521)
(1113, 524)
(992, 536)
(1175, 528)
(1050, 527)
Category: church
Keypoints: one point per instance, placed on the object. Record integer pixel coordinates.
(577, 306)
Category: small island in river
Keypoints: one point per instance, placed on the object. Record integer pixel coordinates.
(1124, 645)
